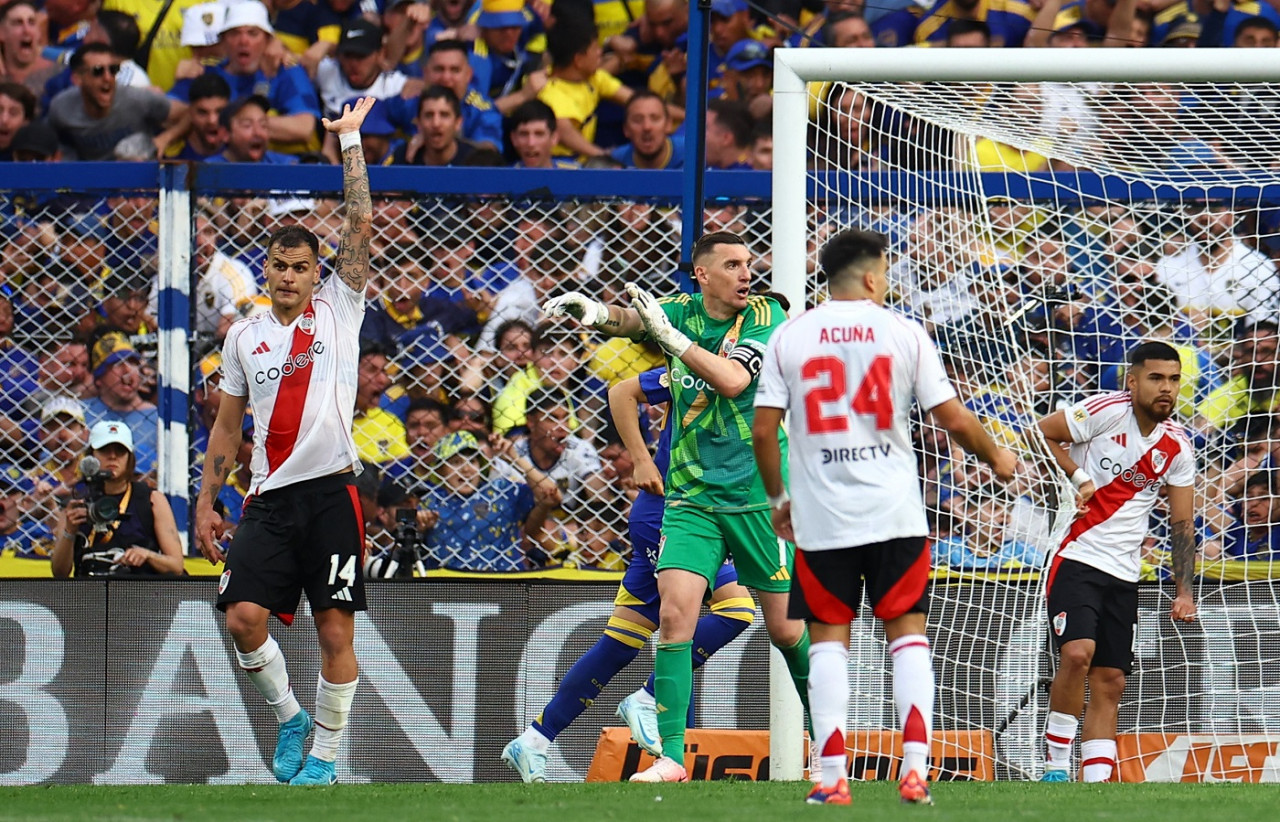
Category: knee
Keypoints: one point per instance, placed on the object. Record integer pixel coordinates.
(1076, 657)
(676, 619)
(335, 638)
(246, 627)
(785, 633)
(1107, 683)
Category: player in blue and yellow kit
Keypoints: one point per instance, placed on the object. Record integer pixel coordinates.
(635, 613)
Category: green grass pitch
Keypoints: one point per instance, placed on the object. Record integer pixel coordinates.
(699, 802)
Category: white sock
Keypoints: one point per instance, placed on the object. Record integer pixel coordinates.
(644, 697)
(1099, 759)
(333, 704)
(535, 739)
(1058, 736)
(829, 706)
(913, 691)
(266, 670)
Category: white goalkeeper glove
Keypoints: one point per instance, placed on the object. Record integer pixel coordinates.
(656, 323)
(579, 306)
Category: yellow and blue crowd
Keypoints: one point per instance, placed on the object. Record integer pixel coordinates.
(453, 343)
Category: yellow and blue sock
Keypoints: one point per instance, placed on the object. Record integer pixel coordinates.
(621, 642)
(727, 620)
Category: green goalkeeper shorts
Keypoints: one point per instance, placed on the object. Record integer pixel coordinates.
(699, 541)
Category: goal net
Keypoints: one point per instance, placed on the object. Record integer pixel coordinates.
(1044, 216)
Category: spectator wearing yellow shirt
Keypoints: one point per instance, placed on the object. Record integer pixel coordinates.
(1254, 386)
(378, 434)
(558, 366)
(577, 85)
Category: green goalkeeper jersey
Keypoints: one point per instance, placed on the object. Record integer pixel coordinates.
(712, 464)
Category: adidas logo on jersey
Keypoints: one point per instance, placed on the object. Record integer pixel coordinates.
(262, 348)
(1121, 440)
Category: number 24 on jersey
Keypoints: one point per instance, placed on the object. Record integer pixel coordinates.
(873, 396)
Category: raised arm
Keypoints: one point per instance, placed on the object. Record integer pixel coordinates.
(352, 261)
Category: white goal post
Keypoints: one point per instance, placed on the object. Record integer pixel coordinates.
(1045, 210)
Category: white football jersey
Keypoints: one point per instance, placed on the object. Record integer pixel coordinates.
(301, 383)
(1128, 470)
(848, 371)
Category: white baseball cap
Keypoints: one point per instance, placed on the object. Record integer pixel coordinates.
(60, 405)
(107, 432)
(247, 13)
(201, 24)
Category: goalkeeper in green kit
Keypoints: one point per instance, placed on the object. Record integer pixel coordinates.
(716, 505)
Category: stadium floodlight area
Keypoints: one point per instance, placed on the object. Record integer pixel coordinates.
(1046, 210)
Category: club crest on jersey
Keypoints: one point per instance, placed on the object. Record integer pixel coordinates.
(1158, 459)
(224, 580)
(727, 346)
(1060, 623)
(307, 324)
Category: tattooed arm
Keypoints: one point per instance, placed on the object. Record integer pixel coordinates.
(219, 460)
(352, 261)
(1183, 548)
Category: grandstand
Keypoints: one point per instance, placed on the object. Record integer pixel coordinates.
(144, 155)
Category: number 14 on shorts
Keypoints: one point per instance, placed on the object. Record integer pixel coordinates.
(345, 571)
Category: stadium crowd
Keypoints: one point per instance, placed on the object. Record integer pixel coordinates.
(467, 401)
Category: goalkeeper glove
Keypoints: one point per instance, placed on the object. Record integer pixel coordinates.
(579, 306)
(656, 323)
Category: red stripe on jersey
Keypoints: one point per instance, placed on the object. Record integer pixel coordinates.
(1099, 402)
(1112, 496)
(291, 397)
(355, 503)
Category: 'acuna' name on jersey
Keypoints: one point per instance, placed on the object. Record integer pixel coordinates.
(848, 334)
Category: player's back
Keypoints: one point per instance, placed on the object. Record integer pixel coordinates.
(850, 371)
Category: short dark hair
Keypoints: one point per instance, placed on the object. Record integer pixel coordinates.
(375, 348)
(484, 156)
(762, 129)
(24, 97)
(1262, 479)
(848, 252)
(550, 334)
(292, 236)
(542, 400)
(1247, 327)
(450, 44)
(428, 404)
(836, 17)
(1257, 22)
(122, 32)
(734, 116)
(959, 26)
(641, 95)
(77, 56)
(439, 93)
(5, 8)
(208, 86)
(532, 111)
(506, 326)
(1153, 350)
(707, 242)
(236, 106)
(568, 38)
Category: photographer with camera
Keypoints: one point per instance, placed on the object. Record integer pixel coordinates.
(113, 525)
(396, 545)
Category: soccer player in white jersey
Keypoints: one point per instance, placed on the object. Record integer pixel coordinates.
(849, 371)
(1122, 448)
(302, 526)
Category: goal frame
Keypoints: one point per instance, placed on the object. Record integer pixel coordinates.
(795, 69)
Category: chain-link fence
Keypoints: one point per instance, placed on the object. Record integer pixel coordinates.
(453, 345)
(454, 348)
